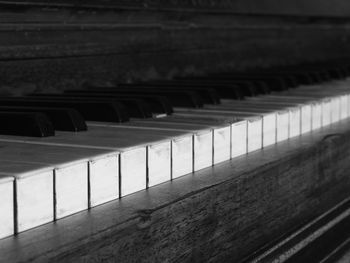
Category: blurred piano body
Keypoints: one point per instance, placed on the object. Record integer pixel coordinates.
(242, 210)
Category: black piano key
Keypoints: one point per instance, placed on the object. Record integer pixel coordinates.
(336, 73)
(224, 89)
(136, 108)
(289, 78)
(158, 104)
(179, 98)
(90, 110)
(207, 94)
(316, 76)
(63, 119)
(214, 87)
(274, 83)
(303, 78)
(262, 87)
(345, 70)
(34, 124)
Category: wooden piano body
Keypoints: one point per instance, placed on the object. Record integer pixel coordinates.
(221, 214)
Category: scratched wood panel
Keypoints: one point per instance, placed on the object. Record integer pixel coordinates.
(276, 7)
(64, 46)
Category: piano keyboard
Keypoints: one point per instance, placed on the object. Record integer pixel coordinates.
(64, 153)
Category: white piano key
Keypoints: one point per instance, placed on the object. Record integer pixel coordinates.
(34, 198)
(184, 163)
(104, 179)
(317, 115)
(71, 191)
(282, 126)
(239, 138)
(34, 192)
(6, 206)
(222, 144)
(294, 122)
(159, 166)
(133, 163)
(326, 112)
(255, 132)
(269, 129)
(344, 103)
(203, 150)
(335, 109)
(348, 105)
(306, 118)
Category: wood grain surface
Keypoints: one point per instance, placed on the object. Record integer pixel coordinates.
(52, 45)
(289, 7)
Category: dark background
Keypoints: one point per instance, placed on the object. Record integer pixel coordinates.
(50, 45)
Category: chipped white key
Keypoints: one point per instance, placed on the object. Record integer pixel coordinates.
(183, 164)
(326, 112)
(306, 118)
(255, 132)
(282, 125)
(159, 163)
(222, 144)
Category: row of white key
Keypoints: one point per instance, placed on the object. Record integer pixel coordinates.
(53, 177)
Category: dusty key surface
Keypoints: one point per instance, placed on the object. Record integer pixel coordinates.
(177, 161)
(202, 131)
(254, 124)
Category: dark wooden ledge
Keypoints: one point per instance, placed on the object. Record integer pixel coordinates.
(222, 213)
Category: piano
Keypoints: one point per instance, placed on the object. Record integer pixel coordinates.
(181, 131)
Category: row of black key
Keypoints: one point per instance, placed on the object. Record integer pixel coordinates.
(69, 110)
